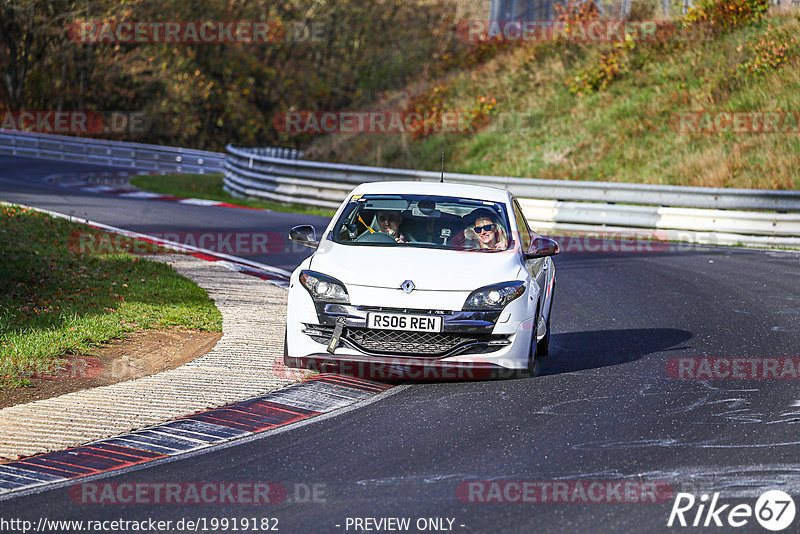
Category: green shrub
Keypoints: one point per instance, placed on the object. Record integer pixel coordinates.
(608, 68)
(770, 52)
(722, 15)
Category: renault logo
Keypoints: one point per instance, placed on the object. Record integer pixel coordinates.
(407, 286)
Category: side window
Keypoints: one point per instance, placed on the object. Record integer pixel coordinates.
(346, 229)
(522, 227)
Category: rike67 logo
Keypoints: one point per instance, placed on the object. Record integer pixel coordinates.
(774, 510)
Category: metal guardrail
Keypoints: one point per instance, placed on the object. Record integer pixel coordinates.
(271, 173)
(699, 214)
(137, 156)
(745, 216)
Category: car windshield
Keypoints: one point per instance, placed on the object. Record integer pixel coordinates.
(423, 221)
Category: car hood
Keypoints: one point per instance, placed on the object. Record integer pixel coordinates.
(428, 269)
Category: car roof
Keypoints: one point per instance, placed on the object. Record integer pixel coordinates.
(433, 188)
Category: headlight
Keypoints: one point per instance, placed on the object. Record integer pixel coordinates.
(324, 288)
(494, 297)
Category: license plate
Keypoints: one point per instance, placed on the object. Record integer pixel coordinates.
(399, 321)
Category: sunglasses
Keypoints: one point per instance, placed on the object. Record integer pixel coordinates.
(484, 228)
(384, 218)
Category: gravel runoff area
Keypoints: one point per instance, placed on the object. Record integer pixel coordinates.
(246, 362)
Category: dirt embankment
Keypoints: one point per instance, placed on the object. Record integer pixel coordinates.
(141, 353)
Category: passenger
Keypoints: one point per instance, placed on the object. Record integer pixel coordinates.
(389, 223)
(485, 231)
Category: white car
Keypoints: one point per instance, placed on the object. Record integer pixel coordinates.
(422, 280)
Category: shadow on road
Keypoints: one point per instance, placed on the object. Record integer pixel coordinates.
(576, 351)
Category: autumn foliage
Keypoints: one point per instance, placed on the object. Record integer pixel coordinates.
(329, 54)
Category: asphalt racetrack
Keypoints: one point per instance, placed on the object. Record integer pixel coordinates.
(623, 406)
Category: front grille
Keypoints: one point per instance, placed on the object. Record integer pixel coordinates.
(403, 343)
(413, 343)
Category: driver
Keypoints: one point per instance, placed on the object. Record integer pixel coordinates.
(389, 223)
(485, 232)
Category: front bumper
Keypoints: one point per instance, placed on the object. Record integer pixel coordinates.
(401, 368)
(471, 345)
(403, 343)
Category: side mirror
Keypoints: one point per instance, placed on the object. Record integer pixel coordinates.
(304, 235)
(542, 247)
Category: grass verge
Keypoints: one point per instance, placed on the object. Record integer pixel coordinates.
(59, 299)
(209, 186)
(540, 126)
